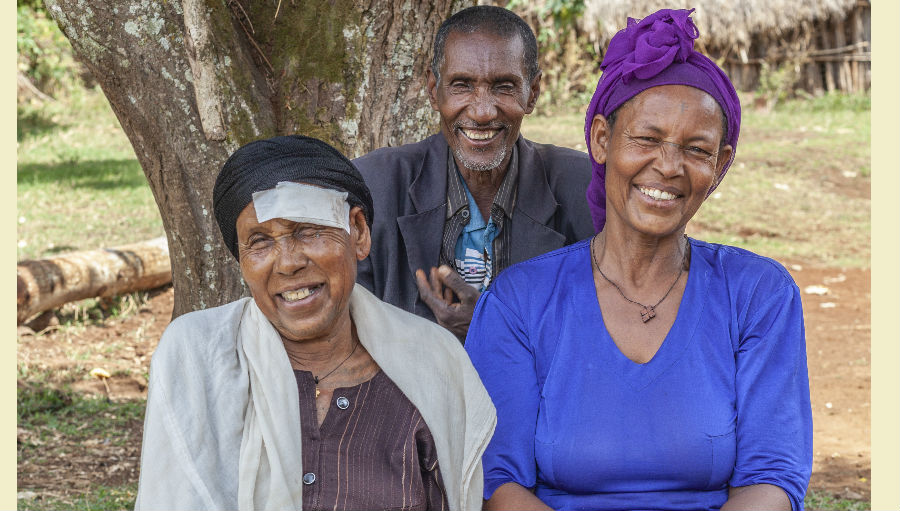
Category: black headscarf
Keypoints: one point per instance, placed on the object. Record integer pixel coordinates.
(262, 164)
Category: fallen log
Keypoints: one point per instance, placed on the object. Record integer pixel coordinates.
(45, 284)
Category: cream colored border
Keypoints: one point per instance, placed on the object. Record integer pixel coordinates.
(885, 255)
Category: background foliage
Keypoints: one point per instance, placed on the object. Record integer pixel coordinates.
(44, 55)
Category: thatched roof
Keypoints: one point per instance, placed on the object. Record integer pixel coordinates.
(722, 23)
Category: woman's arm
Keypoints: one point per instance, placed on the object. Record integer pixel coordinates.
(514, 497)
(774, 418)
(761, 497)
(499, 348)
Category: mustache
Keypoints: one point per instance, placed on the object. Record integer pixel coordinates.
(493, 125)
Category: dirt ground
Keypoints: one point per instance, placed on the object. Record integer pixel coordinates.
(838, 346)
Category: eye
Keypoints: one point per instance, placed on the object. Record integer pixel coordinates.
(459, 86)
(645, 140)
(307, 233)
(698, 151)
(258, 242)
(505, 88)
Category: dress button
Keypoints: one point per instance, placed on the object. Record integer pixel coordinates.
(465, 213)
(309, 478)
(343, 403)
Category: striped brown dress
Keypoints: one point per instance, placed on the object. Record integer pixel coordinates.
(372, 451)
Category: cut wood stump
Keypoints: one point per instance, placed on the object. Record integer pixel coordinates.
(49, 283)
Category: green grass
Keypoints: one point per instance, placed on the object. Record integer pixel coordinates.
(820, 500)
(100, 498)
(798, 189)
(80, 186)
(54, 411)
(58, 421)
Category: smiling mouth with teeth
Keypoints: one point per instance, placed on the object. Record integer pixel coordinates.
(479, 134)
(656, 194)
(299, 294)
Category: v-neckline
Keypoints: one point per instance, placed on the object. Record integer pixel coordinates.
(677, 339)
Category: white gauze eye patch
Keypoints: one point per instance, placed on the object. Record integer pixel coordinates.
(303, 203)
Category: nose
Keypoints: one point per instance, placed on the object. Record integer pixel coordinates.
(290, 257)
(483, 108)
(670, 161)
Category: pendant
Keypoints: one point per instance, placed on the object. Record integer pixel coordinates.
(317, 391)
(647, 313)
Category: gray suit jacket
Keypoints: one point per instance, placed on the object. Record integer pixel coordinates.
(409, 189)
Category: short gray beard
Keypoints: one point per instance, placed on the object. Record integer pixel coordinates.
(478, 166)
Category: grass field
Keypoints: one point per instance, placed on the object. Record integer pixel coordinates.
(798, 191)
(80, 186)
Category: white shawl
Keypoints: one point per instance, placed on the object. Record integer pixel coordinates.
(222, 429)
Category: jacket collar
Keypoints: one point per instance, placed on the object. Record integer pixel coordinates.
(534, 208)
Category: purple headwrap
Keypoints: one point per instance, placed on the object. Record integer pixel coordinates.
(657, 50)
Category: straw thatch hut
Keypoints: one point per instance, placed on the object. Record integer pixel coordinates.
(825, 44)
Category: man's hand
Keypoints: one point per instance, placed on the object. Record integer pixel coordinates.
(449, 297)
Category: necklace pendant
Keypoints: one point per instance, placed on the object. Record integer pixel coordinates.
(647, 313)
(317, 391)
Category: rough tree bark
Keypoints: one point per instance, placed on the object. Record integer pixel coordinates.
(192, 80)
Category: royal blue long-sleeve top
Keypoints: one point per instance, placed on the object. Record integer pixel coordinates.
(724, 402)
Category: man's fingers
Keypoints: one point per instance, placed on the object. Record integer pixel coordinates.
(436, 286)
(451, 279)
(434, 301)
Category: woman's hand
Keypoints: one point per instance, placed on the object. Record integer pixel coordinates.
(512, 496)
(763, 497)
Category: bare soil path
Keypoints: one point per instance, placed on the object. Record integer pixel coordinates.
(838, 346)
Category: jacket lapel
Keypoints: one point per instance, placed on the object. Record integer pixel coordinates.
(422, 231)
(532, 232)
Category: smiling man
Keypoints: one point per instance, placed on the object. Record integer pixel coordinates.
(459, 207)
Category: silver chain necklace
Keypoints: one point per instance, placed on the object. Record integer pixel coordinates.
(648, 312)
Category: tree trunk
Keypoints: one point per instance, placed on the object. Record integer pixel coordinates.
(191, 81)
(48, 283)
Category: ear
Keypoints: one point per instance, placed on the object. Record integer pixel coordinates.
(600, 136)
(431, 87)
(360, 234)
(722, 158)
(534, 92)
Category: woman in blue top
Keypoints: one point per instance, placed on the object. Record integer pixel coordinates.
(641, 369)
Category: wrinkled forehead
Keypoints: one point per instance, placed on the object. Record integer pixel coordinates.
(684, 98)
(483, 52)
(687, 102)
(303, 203)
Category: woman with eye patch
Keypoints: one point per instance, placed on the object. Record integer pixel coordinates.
(312, 393)
(642, 369)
